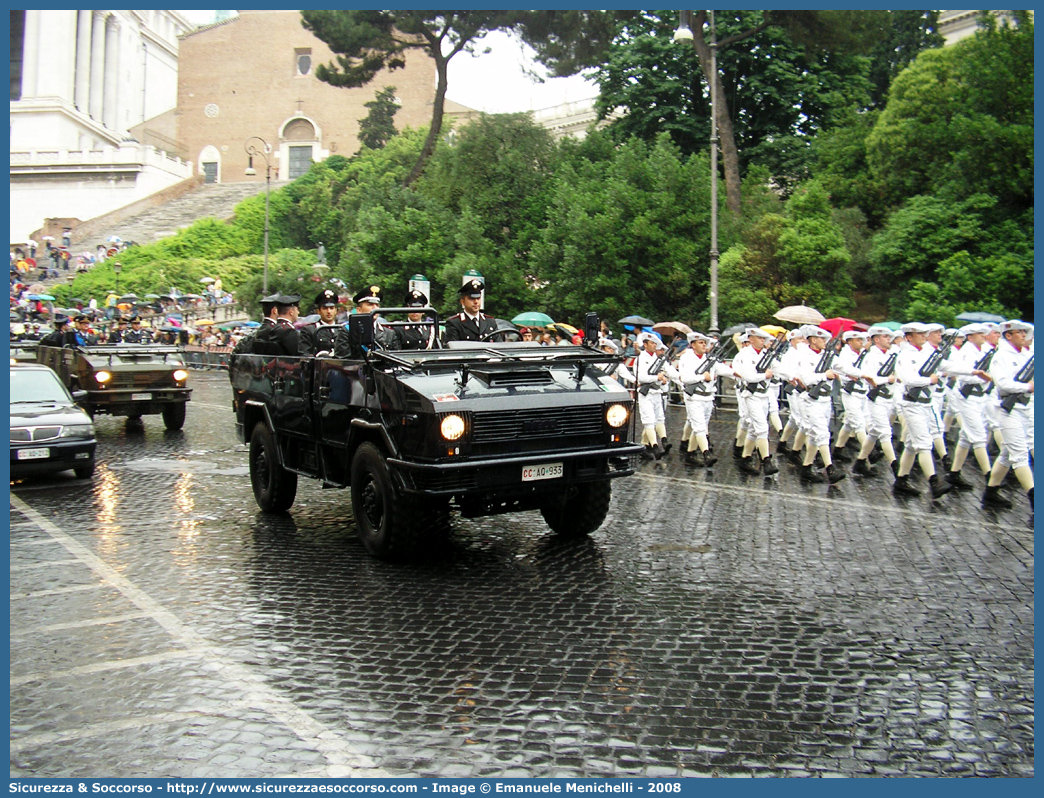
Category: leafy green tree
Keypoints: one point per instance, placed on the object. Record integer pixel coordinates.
(795, 257)
(625, 235)
(909, 33)
(959, 121)
(378, 126)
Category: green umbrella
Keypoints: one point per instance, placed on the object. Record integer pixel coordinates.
(891, 325)
(532, 319)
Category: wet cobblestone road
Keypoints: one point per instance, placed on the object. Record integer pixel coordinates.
(717, 624)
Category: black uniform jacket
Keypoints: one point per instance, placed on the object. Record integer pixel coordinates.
(461, 328)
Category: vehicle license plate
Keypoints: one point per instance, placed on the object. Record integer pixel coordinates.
(33, 454)
(532, 473)
(141, 397)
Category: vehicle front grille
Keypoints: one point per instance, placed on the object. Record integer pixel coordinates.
(27, 434)
(510, 425)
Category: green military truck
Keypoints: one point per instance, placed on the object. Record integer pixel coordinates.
(131, 380)
(485, 427)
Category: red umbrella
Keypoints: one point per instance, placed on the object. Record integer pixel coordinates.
(837, 326)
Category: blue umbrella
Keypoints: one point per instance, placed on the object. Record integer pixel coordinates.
(975, 315)
(49, 298)
(250, 324)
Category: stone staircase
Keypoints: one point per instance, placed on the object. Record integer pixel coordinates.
(216, 200)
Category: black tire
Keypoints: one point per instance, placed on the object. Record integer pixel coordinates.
(174, 415)
(274, 487)
(583, 510)
(387, 522)
(85, 471)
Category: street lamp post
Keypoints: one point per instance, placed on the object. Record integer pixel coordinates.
(682, 34)
(252, 149)
(117, 267)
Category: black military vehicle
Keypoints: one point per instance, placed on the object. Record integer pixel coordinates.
(132, 380)
(488, 427)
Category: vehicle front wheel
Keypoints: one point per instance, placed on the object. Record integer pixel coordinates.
(174, 415)
(386, 520)
(582, 510)
(274, 487)
(85, 471)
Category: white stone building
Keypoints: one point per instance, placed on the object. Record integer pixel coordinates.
(81, 82)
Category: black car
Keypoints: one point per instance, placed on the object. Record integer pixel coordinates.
(49, 432)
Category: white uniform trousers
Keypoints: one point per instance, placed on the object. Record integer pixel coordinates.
(818, 413)
(855, 410)
(650, 408)
(698, 410)
(920, 420)
(1017, 428)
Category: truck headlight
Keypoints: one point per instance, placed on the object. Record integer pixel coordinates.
(102, 376)
(180, 375)
(616, 415)
(452, 427)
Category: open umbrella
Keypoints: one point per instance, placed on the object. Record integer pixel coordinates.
(637, 321)
(979, 316)
(891, 325)
(41, 297)
(774, 329)
(208, 322)
(128, 298)
(799, 314)
(37, 288)
(672, 328)
(152, 296)
(838, 325)
(250, 324)
(736, 328)
(206, 279)
(533, 318)
(113, 240)
(301, 322)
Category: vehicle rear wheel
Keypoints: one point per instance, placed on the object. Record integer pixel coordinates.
(388, 523)
(581, 512)
(85, 471)
(274, 487)
(174, 415)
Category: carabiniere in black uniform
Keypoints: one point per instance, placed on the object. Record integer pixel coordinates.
(319, 337)
(472, 324)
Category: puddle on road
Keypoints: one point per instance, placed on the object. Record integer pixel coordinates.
(184, 467)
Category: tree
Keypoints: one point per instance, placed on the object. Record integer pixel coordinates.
(366, 42)
(378, 126)
(835, 32)
(910, 32)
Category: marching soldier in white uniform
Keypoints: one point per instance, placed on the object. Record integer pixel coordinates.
(878, 400)
(754, 392)
(652, 372)
(853, 391)
(968, 403)
(1011, 371)
(785, 371)
(699, 398)
(818, 409)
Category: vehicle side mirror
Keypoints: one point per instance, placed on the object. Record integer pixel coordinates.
(361, 330)
(592, 329)
(79, 396)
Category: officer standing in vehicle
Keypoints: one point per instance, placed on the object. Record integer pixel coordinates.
(417, 334)
(62, 335)
(281, 339)
(268, 317)
(471, 324)
(137, 335)
(318, 338)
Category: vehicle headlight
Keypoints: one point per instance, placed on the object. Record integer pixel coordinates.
(181, 375)
(616, 415)
(102, 376)
(452, 427)
(77, 431)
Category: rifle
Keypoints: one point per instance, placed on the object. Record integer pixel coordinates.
(770, 355)
(970, 389)
(654, 370)
(1024, 374)
(716, 355)
(829, 353)
(850, 386)
(887, 370)
(938, 356)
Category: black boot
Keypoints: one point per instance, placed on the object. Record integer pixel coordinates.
(695, 459)
(737, 451)
(902, 485)
(876, 454)
(750, 465)
(835, 473)
(840, 455)
(894, 465)
(647, 453)
(794, 456)
(683, 445)
(768, 466)
(665, 446)
(992, 498)
(957, 480)
(862, 467)
(938, 485)
(709, 458)
(1029, 494)
(810, 474)
(658, 451)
